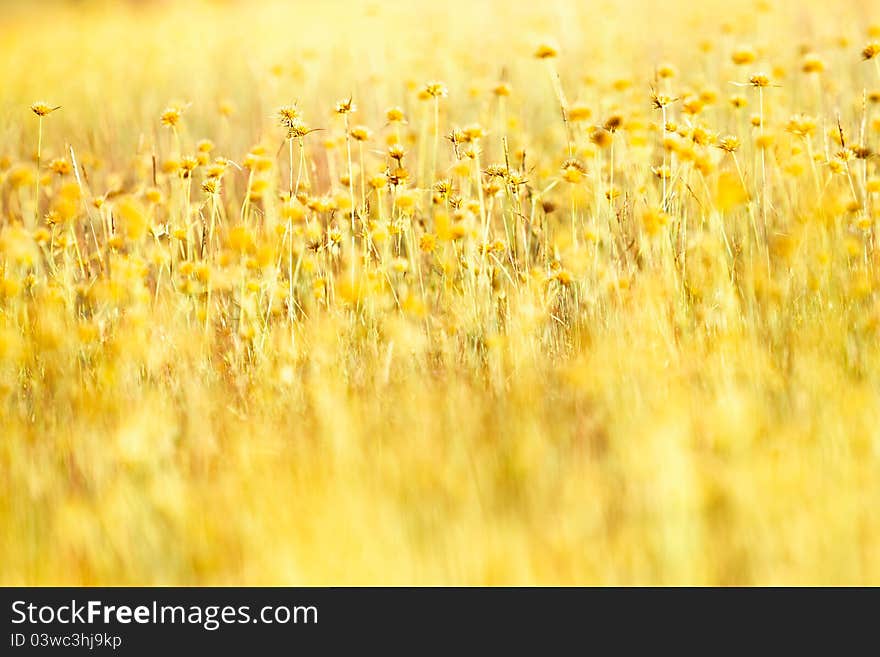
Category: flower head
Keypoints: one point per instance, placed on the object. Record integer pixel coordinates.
(435, 89)
(171, 116)
(42, 108)
(345, 106)
(288, 115)
(361, 133)
(546, 51)
(871, 50)
(729, 143)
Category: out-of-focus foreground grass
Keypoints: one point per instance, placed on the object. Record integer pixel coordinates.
(439, 293)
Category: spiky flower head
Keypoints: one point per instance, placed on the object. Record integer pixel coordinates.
(171, 116)
(659, 101)
(288, 115)
(396, 152)
(346, 106)
(496, 171)
(187, 164)
(729, 143)
(297, 129)
(60, 166)
(435, 89)
(573, 170)
(42, 108)
(443, 187)
(760, 80)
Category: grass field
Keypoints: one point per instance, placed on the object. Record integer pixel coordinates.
(440, 293)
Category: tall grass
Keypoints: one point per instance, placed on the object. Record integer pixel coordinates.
(356, 293)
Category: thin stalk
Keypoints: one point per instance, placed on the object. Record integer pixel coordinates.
(436, 143)
(290, 167)
(350, 193)
(39, 156)
(663, 176)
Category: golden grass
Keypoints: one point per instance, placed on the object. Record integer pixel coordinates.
(566, 294)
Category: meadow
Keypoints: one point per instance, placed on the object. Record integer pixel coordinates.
(473, 293)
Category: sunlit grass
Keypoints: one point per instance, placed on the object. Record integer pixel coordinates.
(439, 293)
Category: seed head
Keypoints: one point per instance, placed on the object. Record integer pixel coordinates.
(600, 137)
(573, 171)
(614, 123)
(496, 171)
(573, 163)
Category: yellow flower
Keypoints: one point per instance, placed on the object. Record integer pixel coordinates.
(42, 108)
(546, 51)
(171, 116)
